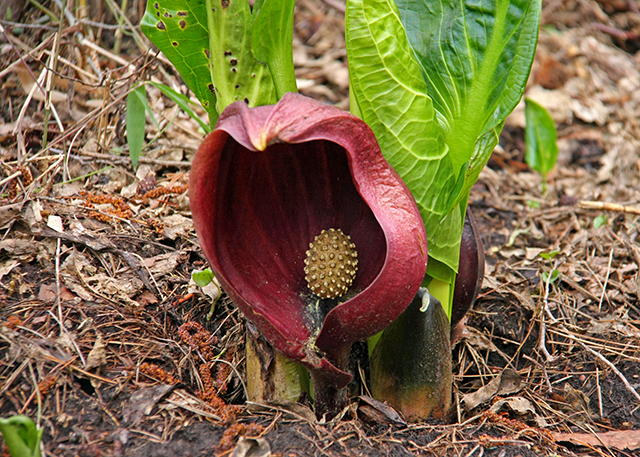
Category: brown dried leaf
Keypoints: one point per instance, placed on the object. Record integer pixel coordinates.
(142, 402)
(373, 412)
(619, 439)
(98, 355)
(508, 382)
(252, 447)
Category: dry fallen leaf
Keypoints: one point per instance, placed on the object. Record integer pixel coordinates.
(252, 447)
(142, 402)
(8, 213)
(508, 382)
(619, 439)
(98, 355)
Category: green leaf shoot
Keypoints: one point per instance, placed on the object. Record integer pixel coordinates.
(272, 41)
(541, 139)
(549, 255)
(21, 436)
(202, 278)
(546, 278)
(136, 120)
(599, 221)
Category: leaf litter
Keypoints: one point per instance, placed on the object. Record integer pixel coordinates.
(96, 304)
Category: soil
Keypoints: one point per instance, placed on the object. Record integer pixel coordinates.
(103, 335)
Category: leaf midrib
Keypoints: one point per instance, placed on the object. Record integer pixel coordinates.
(465, 128)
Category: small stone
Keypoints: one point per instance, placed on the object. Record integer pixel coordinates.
(331, 251)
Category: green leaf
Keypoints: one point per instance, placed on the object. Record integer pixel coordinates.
(136, 120)
(202, 278)
(182, 101)
(392, 98)
(272, 41)
(475, 58)
(540, 138)
(236, 74)
(555, 274)
(599, 221)
(21, 436)
(179, 29)
(549, 255)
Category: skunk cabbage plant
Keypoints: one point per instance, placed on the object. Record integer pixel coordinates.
(310, 231)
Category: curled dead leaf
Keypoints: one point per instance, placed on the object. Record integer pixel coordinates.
(507, 382)
(98, 355)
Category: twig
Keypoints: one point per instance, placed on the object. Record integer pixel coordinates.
(543, 325)
(337, 5)
(615, 32)
(10, 177)
(545, 375)
(604, 206)
(599, 392)
(613, 367)
(606, 280)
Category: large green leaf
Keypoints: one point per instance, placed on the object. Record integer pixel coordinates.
(392, 98)
(209, 42)
(272, 41)
(179, 29)
(476, 56)
(236, 74)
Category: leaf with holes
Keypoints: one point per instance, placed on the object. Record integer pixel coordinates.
(236, 74)
(209, 42)
(179, 30)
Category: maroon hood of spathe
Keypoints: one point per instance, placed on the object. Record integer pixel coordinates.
(269, 179)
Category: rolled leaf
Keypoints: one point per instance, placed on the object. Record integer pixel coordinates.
(470, 272)
(411, 364)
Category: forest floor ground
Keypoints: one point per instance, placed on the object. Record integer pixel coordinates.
(96, 259)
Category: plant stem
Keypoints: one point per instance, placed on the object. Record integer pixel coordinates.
(443, 291)
(119, 31)
(281, 59)
(328, 399)
(271, 377)
(283, 78)
(330, 394)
